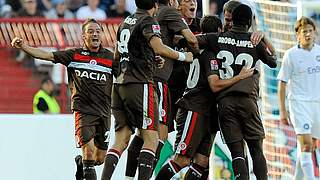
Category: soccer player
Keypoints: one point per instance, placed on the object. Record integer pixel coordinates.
(238, 111)
(179, 75)
(299, 78)
(134, 98)
(90, 80)
(171, 23)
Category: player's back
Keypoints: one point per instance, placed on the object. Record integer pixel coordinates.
(235, 51)
(136, 55)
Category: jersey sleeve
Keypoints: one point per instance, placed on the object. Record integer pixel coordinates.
(265, 55)
(209, 40)
(174, 20)
(210, 64)
(150, 28)
(63, 57)
(285, 69)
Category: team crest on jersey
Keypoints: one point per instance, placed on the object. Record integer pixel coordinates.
(93, 62)
(163, 113)
(214, 64)
(156, 28)
(306, 126)
(318, 58)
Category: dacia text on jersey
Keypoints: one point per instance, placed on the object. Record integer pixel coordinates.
(234, 42)
(91, 75)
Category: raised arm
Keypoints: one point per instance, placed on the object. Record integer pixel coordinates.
(34, 52)
(216, 84)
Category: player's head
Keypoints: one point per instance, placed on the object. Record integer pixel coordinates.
(210, 24)
(188, 8)
(91, 31)
(227, 13)
(306, 31)
(165, 2)
(47, 85)
(242, 16)
(145, 4)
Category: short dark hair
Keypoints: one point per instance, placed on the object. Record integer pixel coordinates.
(165, 2)
(304, 21)
(242, 15)
(230, 6)
(145, 4)
(88, 21)
(46, 80)
(210, 23)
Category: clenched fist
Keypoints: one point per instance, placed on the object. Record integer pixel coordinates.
(17, 42)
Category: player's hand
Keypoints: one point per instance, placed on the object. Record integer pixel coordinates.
(284, 117)
(256, 37)
(17, 42)
(189, 57)
(245, 72)
(160, 62)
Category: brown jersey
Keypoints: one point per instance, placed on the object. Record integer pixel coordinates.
(137, 58)
(198, 96)
(235, 50)
(90, 79)
(171, 23)
(179, 74)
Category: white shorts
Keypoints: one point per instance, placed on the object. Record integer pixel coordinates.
(305, 117)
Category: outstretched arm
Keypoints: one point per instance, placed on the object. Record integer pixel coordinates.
(165, 51)
(34, 52)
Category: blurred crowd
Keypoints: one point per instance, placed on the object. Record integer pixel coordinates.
(79, 9)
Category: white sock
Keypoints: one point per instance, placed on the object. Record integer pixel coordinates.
(307, 165)
(298, 174)
(128, 178)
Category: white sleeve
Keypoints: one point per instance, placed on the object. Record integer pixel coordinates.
(286, 68)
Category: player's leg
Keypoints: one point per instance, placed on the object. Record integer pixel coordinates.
(147, 153)
(238, 160)
(259, 161)
(122, 137)
(148, 122)
(122, 132)
(305, 158)
(133, 154)
(85, 133)
(101, 140)
(164, 108)
(231, 123)
(191, 130)
(301, 118)
(199, 168)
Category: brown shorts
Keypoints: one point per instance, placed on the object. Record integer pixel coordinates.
(136, 106)
(89, 126)
(194, 134)
(164, 105)
(239, 119)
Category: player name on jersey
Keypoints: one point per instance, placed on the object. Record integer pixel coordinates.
(234, 42)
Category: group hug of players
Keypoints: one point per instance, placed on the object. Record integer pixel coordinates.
(209, 85)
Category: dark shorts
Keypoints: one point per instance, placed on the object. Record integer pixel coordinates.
(194, 133)
(164, 105)
(89, 126)
(175, 94)
(239, 119)
(136, 106)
